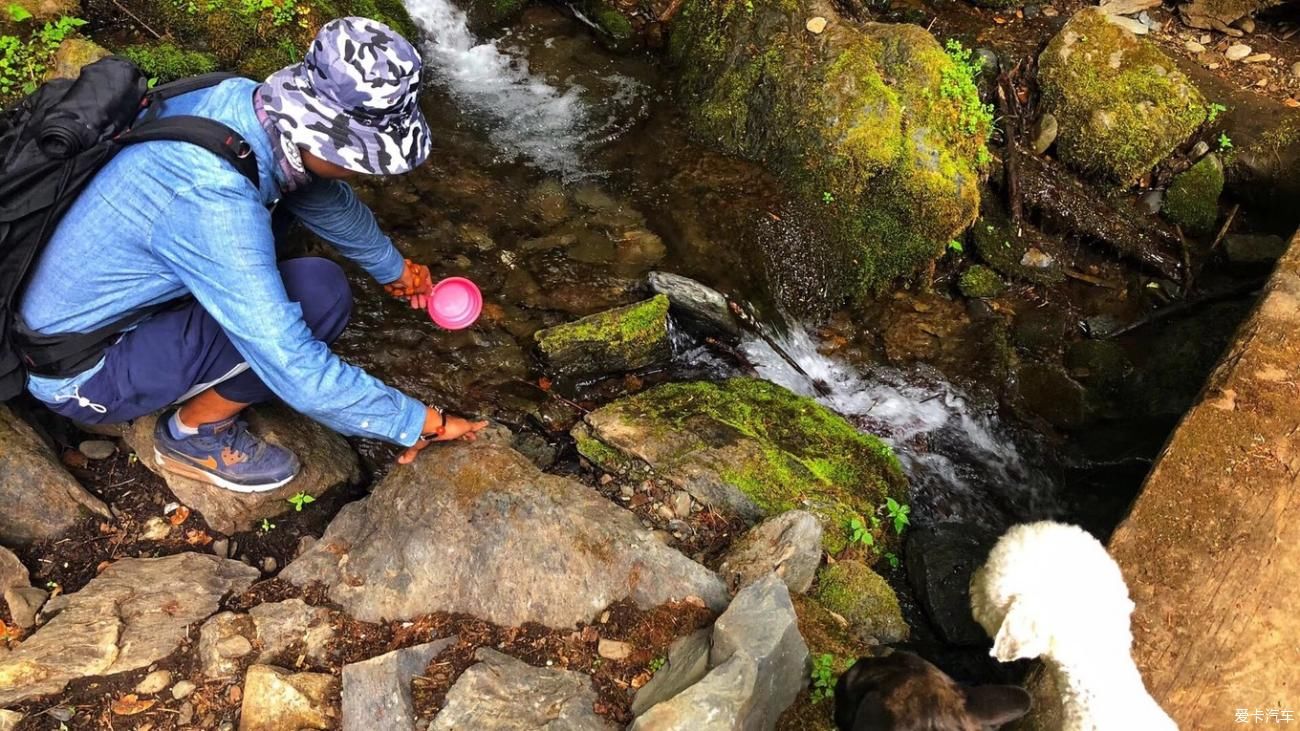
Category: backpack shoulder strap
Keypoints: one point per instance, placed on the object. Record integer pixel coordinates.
(211, 135)
(163, 92)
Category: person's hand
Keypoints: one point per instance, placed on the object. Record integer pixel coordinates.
(414, 286)
(453, 427)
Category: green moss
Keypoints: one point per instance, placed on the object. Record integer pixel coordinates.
(804, 455)
(853, 591)
(1003, 247)
(1122, 104)
(880, 129)
(1192, 201)
(617, 327)
(597, 452)
(980, 282)
(165, 62)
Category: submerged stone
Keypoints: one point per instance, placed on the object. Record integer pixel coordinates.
(618, 340)
(1122, 105)
(874, 124)
(749, 448)
(1192, 201)
(1254, 249)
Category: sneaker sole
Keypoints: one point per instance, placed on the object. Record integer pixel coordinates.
(182, 469)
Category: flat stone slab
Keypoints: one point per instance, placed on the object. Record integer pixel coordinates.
(136, 612)
(328, 461)
(477, 528)
(377, 692)
(501, 693)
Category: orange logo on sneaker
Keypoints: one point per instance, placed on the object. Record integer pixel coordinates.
(209, 462)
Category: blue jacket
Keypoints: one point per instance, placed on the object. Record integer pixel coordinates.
(166, 219)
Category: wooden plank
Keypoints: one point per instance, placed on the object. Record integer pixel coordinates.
(1211, 548)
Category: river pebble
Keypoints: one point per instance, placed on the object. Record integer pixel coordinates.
(1237, 51)
(1194, 47)
(97, 448)
(816, 25)
(183, 689)
(1247, 25)
(613, 650)
(155, 682)
(1258, 58)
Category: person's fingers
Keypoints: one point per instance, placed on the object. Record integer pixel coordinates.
(409, 455)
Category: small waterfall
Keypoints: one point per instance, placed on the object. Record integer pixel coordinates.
(523, 115)
(963, 464)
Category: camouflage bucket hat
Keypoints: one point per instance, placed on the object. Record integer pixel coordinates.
(354, 99)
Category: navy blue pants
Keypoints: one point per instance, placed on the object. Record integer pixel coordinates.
(179, 353)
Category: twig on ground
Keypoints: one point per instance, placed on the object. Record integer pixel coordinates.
(137, 19)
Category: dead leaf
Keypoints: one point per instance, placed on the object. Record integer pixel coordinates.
(1291, 102)
(130, 704)
(234, 695)
(102, 565)
(1000, 20)
(73, 458)
(179, 515)
(197, 537)
(544, 383)
(640, 680)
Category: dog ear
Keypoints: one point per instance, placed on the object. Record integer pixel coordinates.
(994, 705)
(1019, 636)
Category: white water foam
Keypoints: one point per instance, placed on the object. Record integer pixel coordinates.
(963, 464)
(523, 115)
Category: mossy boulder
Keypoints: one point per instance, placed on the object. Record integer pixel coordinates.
(166, 62)
(1264, 172)
(257, 39)
(980, 282)
(863, 597)
(1013, 251)
(875, 126)
(617, 29)
(1192, 201)
(618, 340)
(72, 55)
(1122, 105)
(750, 448)
(486, 15)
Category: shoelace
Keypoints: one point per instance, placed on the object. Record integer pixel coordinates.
(237, 438)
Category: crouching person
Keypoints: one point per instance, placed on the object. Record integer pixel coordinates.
(169, 222)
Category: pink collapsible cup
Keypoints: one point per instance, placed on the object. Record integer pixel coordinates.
(455, 303)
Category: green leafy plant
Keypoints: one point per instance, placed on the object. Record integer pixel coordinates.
(956, 247)
(859, 533)
(267, 525)
(299, 500)
(892, 558)
(18, 13)
(1214, 110)
(657, 664)
(827, 197)
(23, 63)
(1225, 142)
(823, 677)
(957, 83)
(899, 513)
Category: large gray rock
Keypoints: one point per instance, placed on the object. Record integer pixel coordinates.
(13, 574)
(327, 462)
(940, 561)
(759, 661)
(278, 700)
(501, 693)
(136, 612)
(789, 545)
(702, 304)
(377, 692)
(686, 664)
(477, 528)
(41, 500)
(291, 628)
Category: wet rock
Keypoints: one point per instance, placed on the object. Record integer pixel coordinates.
(155, 682)
(285, 630)
(759, 664)
(686, 663)
(500, 693)
(940, 561)
(97, 448)
(1153, 201)
(1193, 199)
(277, 700)
(72, 55)
(134, 613)
(327, 462)
(41, 500)
(1041, 331)
(547, 205)
(1121, 103)
(613, 649)
(853, 591)
(1049, 392)
(980, 282)
(1101, 364)
(743, 447)
(1253, 249)
(759, 85)
(789, 545)
(183, 690)
(619, 340)
(508, 543)
(1045, 131)
(225, 642)
(24, 603)
(593, 198)
(1219, 14)
(377, 692)
(1007, 249)
(641, 248)
(695, 301)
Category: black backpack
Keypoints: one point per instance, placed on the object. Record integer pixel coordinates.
(51, 145)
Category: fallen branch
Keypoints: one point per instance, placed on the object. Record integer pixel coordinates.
(137, 19)
(1089, 279)
(1251, 287)
(1010, 130)
(1218, 238)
